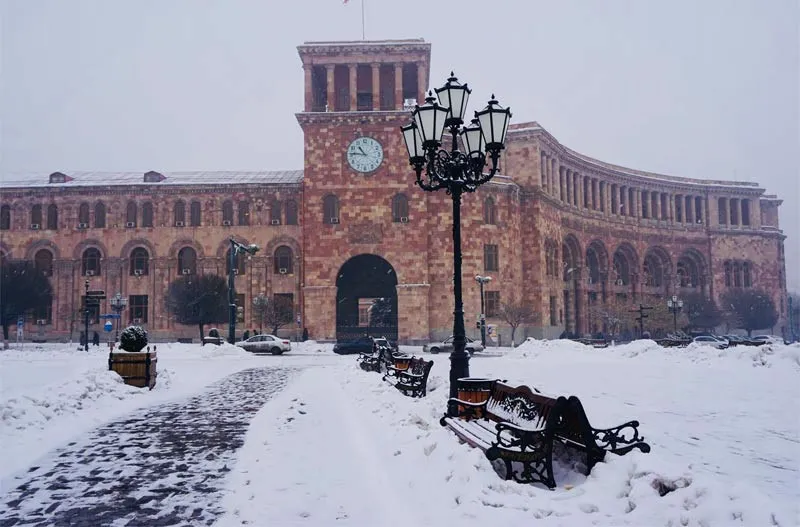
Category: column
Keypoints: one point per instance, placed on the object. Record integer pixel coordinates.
(580, 190)
(595, 195)
(309, 93)
(398, 86)
(376, 87)
(353, 69)
(331, 95)
(637, 203)
(422, 83)
(607, 198)
(561, 190)
(672, 208)
(728, 212)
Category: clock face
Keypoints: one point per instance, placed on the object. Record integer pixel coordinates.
(365, 154)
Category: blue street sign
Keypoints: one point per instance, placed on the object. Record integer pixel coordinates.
(20, 322)
(108, 326)
(110, 315)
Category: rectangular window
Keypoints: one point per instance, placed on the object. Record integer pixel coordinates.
(490, 258)
(553, 320)
(364, 309)
(44, 312)
(492, 303)
(240, 309)
(138, 309)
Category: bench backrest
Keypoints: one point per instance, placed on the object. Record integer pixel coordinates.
(520, 406)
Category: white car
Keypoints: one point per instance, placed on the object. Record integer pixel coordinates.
(266, 344)
(767, 339)
(708, 340)
(447, 346)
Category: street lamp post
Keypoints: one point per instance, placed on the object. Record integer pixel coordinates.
(236, 248)
(483, 280)
(457, 171)
(118, 303)
(675, 306)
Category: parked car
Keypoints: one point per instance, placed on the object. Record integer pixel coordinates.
(213, 337)
(767, 339)
(266, 344)
(358, 345)
(708, 340)
(447, 346)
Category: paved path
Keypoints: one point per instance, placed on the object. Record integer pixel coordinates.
(162, 465)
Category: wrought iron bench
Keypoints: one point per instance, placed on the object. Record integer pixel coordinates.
(379, 360)
(517, 426)
(413, 380)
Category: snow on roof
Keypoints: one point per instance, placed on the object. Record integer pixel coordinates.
(92, 179)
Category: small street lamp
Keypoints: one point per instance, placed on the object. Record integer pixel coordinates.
(118, 303)
(483, 280)
(675, 306)
(236, 248)
(458, 169)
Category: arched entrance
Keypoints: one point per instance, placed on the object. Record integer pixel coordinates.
(366, 298)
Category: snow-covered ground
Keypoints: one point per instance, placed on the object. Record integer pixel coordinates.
(340, 446)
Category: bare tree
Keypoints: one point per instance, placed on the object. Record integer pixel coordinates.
(274, 313)
(514, 315)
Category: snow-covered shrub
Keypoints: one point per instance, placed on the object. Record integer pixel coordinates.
(133, 338)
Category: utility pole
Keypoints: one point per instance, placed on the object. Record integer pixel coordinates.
(86, 315)
(641, 317)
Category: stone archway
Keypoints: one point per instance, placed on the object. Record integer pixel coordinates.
(366, 298)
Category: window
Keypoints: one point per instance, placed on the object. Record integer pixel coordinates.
(147, 214)
(138, 309)
(364, 310)
(745, 212)
(180, 213)
(140, 262)
(52, 217)
(291, 212)
(94, 312)
(399, 208)
(492, 303)
(553, 320)
(36, 215)
(227, 213)
(285, 301)
(283, 260)
(489, 212)
(45, 311)
(43, 261)
(100, 215)
(728, 273)
(131, 212)
(195, 214)
(330, 209)
(90, 262)
(187, 261)
(490, 258)
(275, 212)
(240, 262)
(83, 214)
(239, 308)
(244, 213)
(5, 217)
(737, 274)
(746, 278)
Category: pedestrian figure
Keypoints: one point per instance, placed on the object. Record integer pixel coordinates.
(96, 339)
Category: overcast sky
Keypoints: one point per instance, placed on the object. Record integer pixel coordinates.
(695, 88)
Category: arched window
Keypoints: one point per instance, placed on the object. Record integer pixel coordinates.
(653, 271)
(83, 216)
(5, 218)
(131, 212)
(180, 213)
(99, 215)
(622, 269)
(240, 263)
(147, 214)
(275, 212)
(283, 260)
(227, 212)
(489, 212)
(400, 208)
(195, 214)
(746, 277)
(140, 262)
(728, 274)
(244, 213)
(36, 217)
(90, 262)
(291, 212)
(593, 263)
(43, 260)
(52, 217)
(330, 209)
(187, 261)
(737, 274)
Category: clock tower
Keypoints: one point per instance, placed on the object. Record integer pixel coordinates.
(364, 243)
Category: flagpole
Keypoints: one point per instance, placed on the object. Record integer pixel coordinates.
(363, 37)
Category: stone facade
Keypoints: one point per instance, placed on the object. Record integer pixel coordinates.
(564, 231)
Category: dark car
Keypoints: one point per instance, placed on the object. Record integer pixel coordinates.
(359, 345)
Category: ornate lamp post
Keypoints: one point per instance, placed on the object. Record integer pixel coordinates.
(457, 170)
(118, 303)
(483, 280)
(236, 248)
(675, 306)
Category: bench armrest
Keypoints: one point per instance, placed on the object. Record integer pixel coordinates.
(505, 425)
(620, 439)
(521, 438)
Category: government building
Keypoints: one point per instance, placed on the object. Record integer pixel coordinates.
(558, 231)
